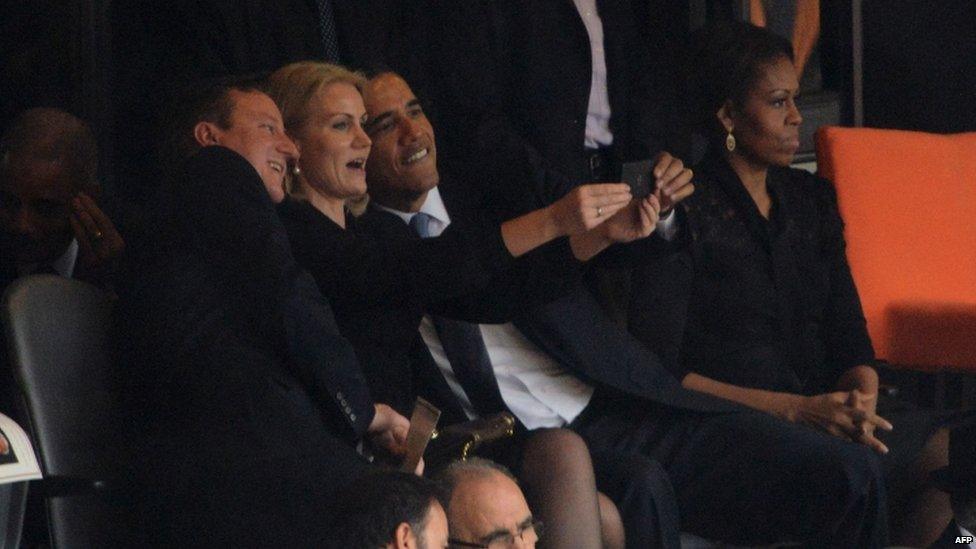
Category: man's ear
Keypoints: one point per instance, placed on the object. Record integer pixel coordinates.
(724, 115)
(403, 537)
(206, 133)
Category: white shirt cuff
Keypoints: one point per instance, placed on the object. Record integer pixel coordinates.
(667, 226)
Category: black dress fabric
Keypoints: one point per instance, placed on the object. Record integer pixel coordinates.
(766, 303)
(381, 287)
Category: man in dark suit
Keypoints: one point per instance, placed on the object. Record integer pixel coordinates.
(246, 402)
(738, 476)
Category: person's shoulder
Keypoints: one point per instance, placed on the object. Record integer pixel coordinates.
(299, 214)
(218, 171)
(808, 183)
(380, 223)
(216, 160)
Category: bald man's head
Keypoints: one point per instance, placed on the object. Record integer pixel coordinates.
(486, 506)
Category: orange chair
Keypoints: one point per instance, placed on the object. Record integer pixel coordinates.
(909, 203)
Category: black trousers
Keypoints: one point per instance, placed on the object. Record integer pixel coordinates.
(747, 478)
(642, 491)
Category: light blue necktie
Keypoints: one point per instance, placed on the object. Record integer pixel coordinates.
(420, 223)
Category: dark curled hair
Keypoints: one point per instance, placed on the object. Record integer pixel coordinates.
(727, 59)
(203, 101)
(369, 511)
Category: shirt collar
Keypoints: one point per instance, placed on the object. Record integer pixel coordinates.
(433, 206)
(64, 264)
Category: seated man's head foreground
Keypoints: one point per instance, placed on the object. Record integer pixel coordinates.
(486, 508)
(393, 510)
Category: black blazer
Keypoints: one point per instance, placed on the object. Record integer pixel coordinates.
(381, 277)
(216, 279)
(245, 400)
(513, 83)
(553, 309)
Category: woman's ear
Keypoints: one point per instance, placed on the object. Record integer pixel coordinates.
(206, 134)
(724, 115)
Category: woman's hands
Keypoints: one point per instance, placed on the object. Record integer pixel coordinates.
(587, 206)
(846, 414)
(635, 221)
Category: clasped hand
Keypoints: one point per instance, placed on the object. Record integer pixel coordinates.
(845, 414)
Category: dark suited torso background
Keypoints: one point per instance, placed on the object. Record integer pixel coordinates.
(162, 46)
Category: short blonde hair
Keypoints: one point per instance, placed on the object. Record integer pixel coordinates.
(293, 86)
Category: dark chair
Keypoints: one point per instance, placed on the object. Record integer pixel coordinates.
(13, 500)
(57, 332)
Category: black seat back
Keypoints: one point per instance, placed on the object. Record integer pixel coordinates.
(57, 331)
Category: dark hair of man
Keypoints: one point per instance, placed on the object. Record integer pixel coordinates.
(377, 69)
(56, 137)
(370, 509)
(727, 59)
(203, 101)
(454, 473)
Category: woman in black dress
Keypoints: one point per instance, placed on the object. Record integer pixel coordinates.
(761, 307)
(380, 290)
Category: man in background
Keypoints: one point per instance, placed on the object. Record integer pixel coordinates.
(391, 509)
(49, 221)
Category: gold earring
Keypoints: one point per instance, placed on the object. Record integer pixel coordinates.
(730, 141)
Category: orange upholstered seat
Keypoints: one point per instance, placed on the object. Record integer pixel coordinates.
(909, 203)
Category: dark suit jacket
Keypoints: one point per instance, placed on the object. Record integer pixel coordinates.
(514, 80)
(559, 315)
(381, 277)
(245, 399)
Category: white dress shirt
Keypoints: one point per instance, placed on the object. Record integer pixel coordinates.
(598, 132)
(534, 387)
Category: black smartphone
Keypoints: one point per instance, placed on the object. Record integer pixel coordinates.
(638, 176)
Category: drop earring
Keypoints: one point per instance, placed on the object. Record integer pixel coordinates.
(730, 141)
